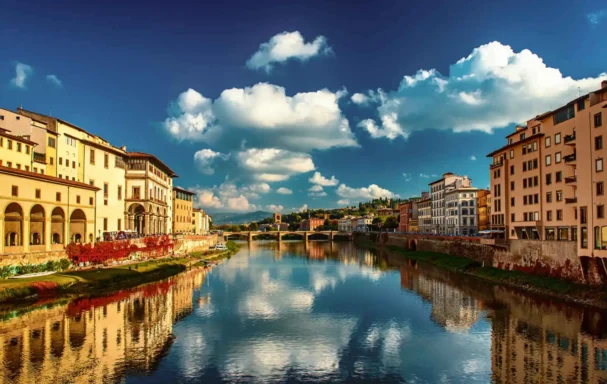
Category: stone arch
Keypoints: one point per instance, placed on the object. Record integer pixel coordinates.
(137, 211)
(57, 226)
(37, 225)
(412, 245)
(13, 225)
(78, 226)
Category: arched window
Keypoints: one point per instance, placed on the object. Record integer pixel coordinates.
(56, 238)
(597, 238)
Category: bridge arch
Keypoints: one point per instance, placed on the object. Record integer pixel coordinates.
(412, 244)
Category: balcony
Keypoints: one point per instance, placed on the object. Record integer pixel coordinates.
(571, 180)
(39, 157)
(569, 159)
(570, 139)
(497, 164)
(571, 200)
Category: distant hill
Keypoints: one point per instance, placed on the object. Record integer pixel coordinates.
(239, 218)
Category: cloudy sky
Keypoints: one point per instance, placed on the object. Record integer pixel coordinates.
(281, 106)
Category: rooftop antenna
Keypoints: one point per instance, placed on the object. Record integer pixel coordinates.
(578, 91)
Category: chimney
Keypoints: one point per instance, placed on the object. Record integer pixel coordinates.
(603, 84)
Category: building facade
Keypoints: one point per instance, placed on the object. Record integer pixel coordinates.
(461, 212)
(148, 194)
(311, 224)
(183, 206)
(539, 191)
(484, 209)
(438, 189)
(200, 221)
(42, 213)
(425, 224)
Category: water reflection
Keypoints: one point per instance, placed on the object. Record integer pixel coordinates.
(308, 312)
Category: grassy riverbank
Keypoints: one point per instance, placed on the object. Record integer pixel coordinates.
(95, 280)
(596, 296)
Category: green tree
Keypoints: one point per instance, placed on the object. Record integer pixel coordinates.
(378, 221)
(391, 222)
(254, 227)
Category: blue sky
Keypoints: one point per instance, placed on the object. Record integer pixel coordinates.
(245, 101)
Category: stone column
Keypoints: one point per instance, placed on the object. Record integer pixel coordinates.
(2, 234)
(66, 232)
(126, 222)
(25, 231)
(146, 229)
(47, 234)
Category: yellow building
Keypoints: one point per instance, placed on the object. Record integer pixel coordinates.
(183, 205)
(40, 212)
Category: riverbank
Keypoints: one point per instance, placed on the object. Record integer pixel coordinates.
(96, 280)
(562, 289)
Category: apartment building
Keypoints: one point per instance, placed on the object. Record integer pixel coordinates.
(201, 221)
(438, 188)
(483, 207)
(345, 224)
(22, 129)
(183, 207)
(148, 194)
(424, 207)
(408, 214)
(539, 191)
(461, 214)
(311, 224)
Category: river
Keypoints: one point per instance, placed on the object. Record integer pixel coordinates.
(321, 312)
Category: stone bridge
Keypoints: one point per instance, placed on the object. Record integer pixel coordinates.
(278, 234)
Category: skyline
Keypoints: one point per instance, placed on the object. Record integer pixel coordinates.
(293, 111)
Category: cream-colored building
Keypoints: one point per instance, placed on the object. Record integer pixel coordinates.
(201, 222)
(183, 205)
(31, 154)
(43, 213)
(424, 208)
(461, 212)
(148, 194)
(438, 189)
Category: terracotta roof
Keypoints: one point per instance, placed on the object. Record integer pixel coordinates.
(52, 179)
(183, 190)
(4, 133)
(52, 117)
(143, 155)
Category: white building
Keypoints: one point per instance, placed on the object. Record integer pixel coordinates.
(344, 224)
(362, 223)
(438, 188)
(461, 213)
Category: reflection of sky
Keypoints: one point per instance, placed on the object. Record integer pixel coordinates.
(301, 318)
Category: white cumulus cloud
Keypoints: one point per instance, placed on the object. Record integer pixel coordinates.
(55, 80)
(319, 179)
(373, 191)
(473, 158)
(204, 160)
(490, 88)
(316, 191)
(302, 209)
(315, 188)
(284, 46)
(262, 116)
(345, 202)
(273, 164)
(284, 191)
(229, 197)
(274, 208)
(22, 73)
(595, 18)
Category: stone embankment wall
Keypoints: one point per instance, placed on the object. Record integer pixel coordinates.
(186, 244)
(546, 258)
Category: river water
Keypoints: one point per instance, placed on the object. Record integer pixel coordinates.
(321, 312)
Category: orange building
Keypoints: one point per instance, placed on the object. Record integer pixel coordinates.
(539, 191)
(311, 224)
(484, 209)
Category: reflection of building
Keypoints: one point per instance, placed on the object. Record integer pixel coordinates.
(93, 340)
(451, 307)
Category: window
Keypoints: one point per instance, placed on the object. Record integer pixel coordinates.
(512, 217)
(584, 238)
(512, 169)
(120, 192)
(557, 157)
(525, 200)
(536, 198)
(557, 138)
(598, 120)
(58, 196)
(15, 191)
(104, 201)
(512, 185)
(26, 167)
(548, 178)
(600, 211)
(564, 114)
(18, 166)
(90, 201)
(522, 136)
(534, 146)
(73, 164)
(600, 190)
(60, 176)
(105, 223)
(599, 165)
(51, 161)
(536, 180)
(106, 160)
(598, 142)
(51, 142)
(549, 215)
(61, 161)
(534, 163)
(106, 187)
(524, 183)
(525, 167)
(38, 193)
(583, 215)
(580, 105)
(9, 143)
(549, 197)
(558, 176)
(524, 150)
(550, 234)
(92, 156)
(559, 214)
(512, 153)
(18, 147)
(548, 160)
(559, 195)
(512, 201)
(77, 199)
(136, 192)
(547, 141)
(27, 149)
